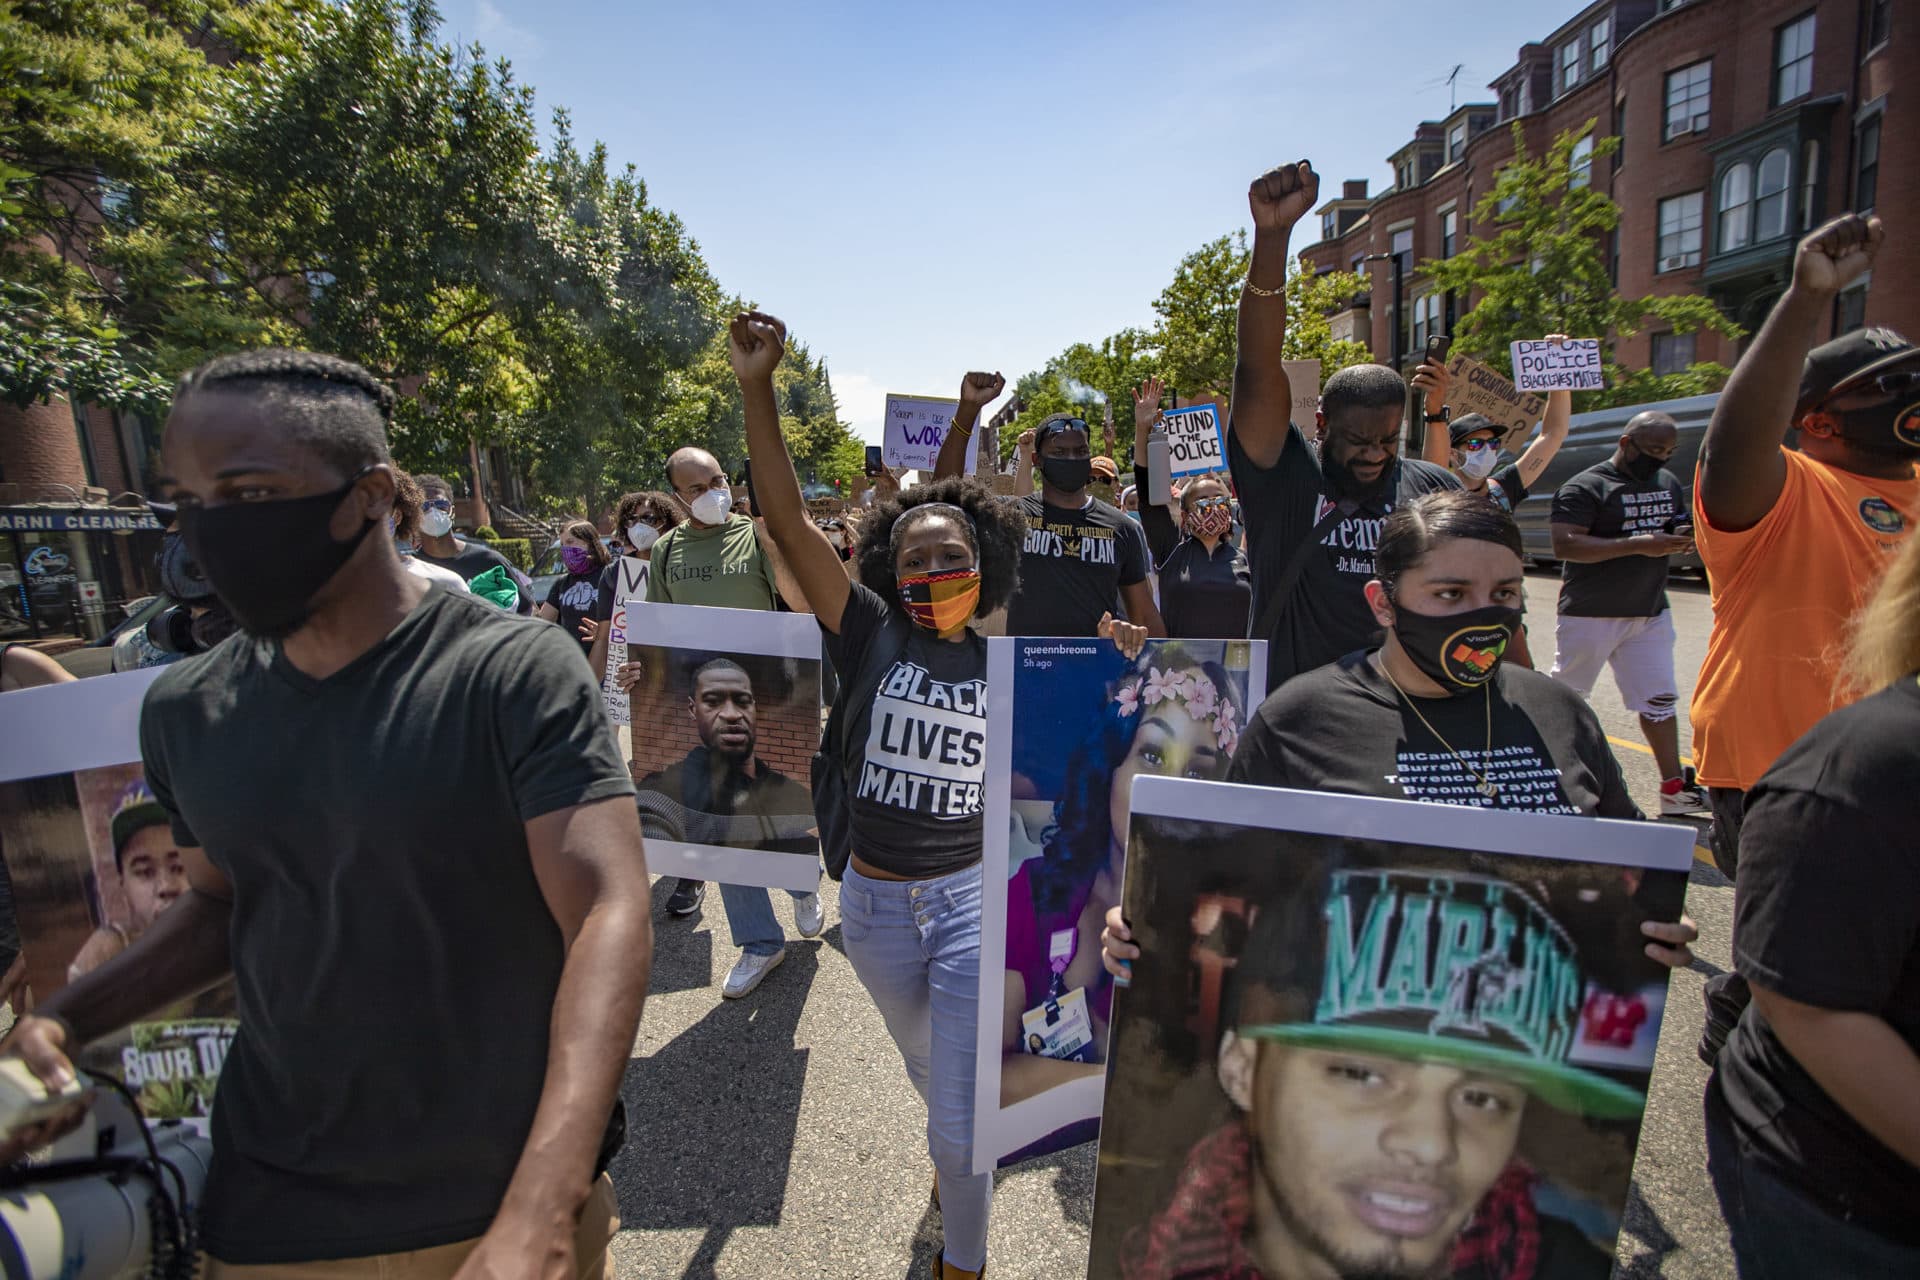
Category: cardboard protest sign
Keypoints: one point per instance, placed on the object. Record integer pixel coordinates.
(1317, 974)
(1478, 389)
(630, 584)
(1304, 375)
(1196, 442)
(91, 863)
(1573, 365)
(915, 427)
(730, 700)
(1070, 724)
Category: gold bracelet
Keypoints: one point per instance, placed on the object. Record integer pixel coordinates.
(1258, 292)
(966, 433)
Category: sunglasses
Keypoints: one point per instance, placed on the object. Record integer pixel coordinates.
(1900, 382)
(438, 504)
(1474, 446)
(1063, 424)
(1209, 504)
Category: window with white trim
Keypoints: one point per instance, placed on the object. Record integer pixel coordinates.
(1672, 352)
(1770, 196)
(1582, 164)
(1793, 60)
(1866, 171)
(1597, 37)
(1570, 64)
(1449, 233)
(1689, 91)
(1682, 218)
(1736, 208)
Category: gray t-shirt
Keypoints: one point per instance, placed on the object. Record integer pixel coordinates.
(394, 961)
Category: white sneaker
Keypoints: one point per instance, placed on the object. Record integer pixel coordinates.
(749, 971)
(1687, 802)
(808, 915)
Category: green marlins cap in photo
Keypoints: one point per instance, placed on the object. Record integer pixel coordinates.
(1436, 966)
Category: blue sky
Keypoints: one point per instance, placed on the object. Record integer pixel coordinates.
(919, 190)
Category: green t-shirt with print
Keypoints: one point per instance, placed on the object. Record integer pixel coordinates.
(718, 567)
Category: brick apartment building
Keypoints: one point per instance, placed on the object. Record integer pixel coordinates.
(1744, 123)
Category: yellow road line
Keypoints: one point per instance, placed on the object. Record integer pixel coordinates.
(1642, 748)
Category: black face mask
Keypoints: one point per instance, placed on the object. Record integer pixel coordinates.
(1890, 430)
(1460, 651)
(267, 560)
(1643, 467)
(1068, 475)
(1343, 482)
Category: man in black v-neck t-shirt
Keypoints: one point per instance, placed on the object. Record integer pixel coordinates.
(1287, 493)
(410, 839)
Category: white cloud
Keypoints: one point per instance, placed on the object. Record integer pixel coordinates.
(863, 403)
(500, 34)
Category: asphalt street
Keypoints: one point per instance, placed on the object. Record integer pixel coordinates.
(778, 1136)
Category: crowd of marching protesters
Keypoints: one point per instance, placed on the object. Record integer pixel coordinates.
(439, 726)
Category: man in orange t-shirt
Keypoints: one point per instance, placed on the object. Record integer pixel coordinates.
(1795, 541)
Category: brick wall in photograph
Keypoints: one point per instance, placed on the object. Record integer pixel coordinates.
(786, 726)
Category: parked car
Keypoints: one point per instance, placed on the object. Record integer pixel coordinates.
(125, 648)
(1591, 440)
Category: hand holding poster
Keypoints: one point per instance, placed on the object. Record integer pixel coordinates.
(1322, 976)
(731, 702)
(1070, 725)
(1304, 376)
(916, 426)
(1573, 365)
(1478, 389)
(1195, 442)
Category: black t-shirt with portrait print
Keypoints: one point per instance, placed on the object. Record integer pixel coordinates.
(1828, 915)
(575, 595)
(915, 797)
(1326, 614)
(1344, 729)
(395, 963)
(1606, 502)
(1072, 567)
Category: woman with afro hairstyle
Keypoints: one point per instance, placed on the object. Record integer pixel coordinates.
(928, 562)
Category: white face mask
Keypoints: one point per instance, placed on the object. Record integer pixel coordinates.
(641, 537)
(436, 523)
(1478, 464)
(713, 507)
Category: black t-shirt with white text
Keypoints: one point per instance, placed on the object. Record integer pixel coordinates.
(1344, 729)
(394, 960)
(1073, 566)
(914, 796)
(1606, 502)
(1828, 915)
(1326, 615)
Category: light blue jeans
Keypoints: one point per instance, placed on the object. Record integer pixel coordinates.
(750, 918)
(916, 947)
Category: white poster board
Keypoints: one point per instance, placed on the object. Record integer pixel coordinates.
(1057, 710)
(1573, 365)
(1304, 375)
(1196, 444)
(916, 426)
(763, 833)
(629, 585)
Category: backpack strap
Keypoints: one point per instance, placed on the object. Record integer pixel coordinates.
(1277, 602)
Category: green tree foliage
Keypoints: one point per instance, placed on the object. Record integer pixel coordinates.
(1537, 265)
(1088, 381)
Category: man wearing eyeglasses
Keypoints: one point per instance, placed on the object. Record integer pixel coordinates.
(1794, 540)
(1313, 522)
(439, 547)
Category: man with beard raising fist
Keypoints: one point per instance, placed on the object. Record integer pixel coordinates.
(1312, 522)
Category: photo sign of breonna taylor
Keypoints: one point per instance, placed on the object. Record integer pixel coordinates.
(1070, 725)
(1378, 1037)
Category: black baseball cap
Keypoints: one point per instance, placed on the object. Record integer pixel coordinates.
(1852, 358)
(1468, 423)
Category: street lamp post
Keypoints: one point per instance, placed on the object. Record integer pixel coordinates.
(1399, 287)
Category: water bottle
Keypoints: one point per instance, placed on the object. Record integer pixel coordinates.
(1159, 467)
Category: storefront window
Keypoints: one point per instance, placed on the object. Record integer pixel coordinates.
(71, 572)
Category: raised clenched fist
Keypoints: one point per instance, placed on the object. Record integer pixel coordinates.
(755, 343)
(1837, 254)
(981, 389)
(1281, 197)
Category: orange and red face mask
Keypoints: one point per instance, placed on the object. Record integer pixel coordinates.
(941, 602)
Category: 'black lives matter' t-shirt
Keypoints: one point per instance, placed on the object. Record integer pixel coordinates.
(915, 796)
(1326, 615)
(1828, 915)
(1608, 503)
(1344, 729)
(395, 964)
(1073, 566)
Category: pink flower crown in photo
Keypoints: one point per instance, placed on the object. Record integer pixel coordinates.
(1192, 689)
